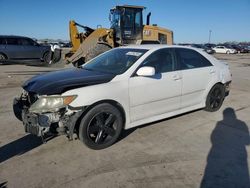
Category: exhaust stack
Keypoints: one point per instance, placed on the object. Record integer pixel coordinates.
(148, 18)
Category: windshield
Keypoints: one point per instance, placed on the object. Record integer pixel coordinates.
(115, 61)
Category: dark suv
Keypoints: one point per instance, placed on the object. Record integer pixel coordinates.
(22, 48)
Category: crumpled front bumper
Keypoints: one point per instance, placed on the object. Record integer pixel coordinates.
(40, 124)
(31, 124)
(37, 124)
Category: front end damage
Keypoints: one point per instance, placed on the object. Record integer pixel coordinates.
(42, 121)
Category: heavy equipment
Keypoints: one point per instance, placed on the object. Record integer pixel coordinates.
(126, 28)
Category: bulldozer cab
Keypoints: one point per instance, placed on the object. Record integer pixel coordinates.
(127, 23)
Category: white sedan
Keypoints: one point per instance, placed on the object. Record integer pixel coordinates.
(120, 89)
(224, 50)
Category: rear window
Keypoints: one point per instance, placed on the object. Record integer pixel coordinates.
(12, 41)
(2, 41)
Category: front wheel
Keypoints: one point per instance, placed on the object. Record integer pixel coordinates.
(47, 58)
(101, 126)
(215, 98)
(228, 52)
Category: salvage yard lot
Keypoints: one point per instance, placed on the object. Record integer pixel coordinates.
(190, 150)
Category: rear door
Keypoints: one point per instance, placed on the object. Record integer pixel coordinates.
(221, 49)
(196, 72)
(14, 49)
(159, 94)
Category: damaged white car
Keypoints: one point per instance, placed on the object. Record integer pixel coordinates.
(120, 89)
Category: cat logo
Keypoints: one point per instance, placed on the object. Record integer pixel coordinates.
(147, 32)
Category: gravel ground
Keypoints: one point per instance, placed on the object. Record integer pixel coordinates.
(198, 149)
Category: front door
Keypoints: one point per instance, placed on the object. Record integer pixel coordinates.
(159, 94)
(31, 49)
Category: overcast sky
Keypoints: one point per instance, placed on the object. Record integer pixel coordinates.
(190, 20)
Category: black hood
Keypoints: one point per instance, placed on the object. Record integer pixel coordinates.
(58, 82)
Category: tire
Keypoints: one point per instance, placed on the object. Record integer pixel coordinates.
(101, 126)
(215, 98)
(228, 52)
(97, 50)
(2, 57)
(46, 58)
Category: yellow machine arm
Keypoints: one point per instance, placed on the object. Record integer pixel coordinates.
(83, 43)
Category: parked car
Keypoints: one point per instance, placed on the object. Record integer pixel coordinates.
(22, 48)
(240, 49)
(205, 48)
(120, 89)
(210, 45)
(224, 50)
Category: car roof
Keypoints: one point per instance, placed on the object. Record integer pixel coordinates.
(12, 36)
(157, 46)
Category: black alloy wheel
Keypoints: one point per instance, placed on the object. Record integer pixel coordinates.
(101, 126)
(215, 98)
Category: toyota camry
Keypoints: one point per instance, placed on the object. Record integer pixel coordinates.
(120, 89)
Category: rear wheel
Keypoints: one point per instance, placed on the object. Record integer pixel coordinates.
(2, 57)
(97, 50)
(215, 98)
(101, 126)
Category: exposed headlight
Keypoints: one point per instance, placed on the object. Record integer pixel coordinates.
(51, 103)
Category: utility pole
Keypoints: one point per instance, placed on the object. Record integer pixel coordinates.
(209, 37)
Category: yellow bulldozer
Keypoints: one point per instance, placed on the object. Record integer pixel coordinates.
(126, 28)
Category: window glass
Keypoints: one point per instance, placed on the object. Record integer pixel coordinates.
(189, 59)
(128, 18)
(2, 41)
(12, 41)
(138, 19)
(162, 60)
(26, 42)
(162, 38)
(115, 19)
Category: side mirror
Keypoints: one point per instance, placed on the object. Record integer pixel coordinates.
(146, 71)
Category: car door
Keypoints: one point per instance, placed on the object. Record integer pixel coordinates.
(196, 72)
(14, 49)
(218, 49)
(158, 94)
(223, 49)
(31, 49)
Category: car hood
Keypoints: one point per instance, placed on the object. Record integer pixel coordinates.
(57, 82)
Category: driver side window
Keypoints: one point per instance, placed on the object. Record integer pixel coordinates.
(162, 60)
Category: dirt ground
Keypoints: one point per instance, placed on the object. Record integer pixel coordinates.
(198, 149)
